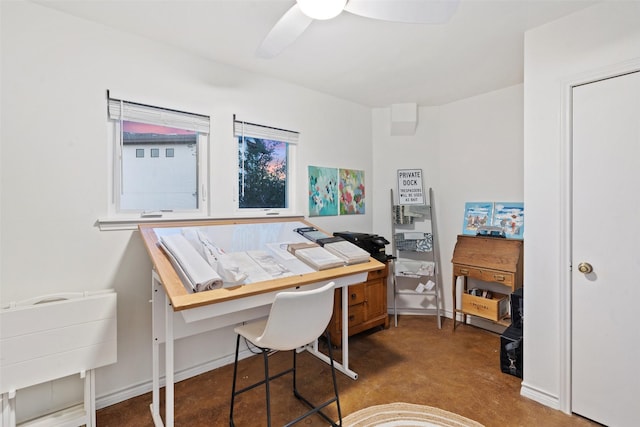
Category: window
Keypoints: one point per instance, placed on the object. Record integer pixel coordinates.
(157, 186)
(265, 167)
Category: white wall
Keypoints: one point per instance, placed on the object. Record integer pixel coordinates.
(55, 73)
(604, 35)
(469, 150)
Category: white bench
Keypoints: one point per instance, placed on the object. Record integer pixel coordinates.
(52, 337)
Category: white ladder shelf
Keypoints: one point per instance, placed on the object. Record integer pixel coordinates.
(415, 267)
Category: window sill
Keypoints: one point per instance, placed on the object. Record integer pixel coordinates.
(118, 224)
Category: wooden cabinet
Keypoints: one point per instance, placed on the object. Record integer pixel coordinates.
(367, 306)
(488, 259)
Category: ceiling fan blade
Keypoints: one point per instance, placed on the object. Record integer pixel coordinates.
(286, 31)
(408, 11)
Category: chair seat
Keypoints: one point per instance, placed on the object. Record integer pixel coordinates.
(251, 330)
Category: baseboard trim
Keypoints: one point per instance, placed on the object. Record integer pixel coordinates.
(415, 312)
(407, 311)
(146, 387)
(540, 396)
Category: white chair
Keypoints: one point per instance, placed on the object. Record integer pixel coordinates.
(295, 320)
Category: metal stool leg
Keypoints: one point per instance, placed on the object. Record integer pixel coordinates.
(265, 356)
(233, 389)
(318, 408)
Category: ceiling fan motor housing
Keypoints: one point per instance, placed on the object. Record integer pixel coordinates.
(321, 9)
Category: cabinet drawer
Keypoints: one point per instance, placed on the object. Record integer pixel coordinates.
(497, 276)
(490, 308)
(356, 315)
(377, 274)
(356, 294)
(503, 277)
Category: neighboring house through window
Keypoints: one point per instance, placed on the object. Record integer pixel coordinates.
(173, 185)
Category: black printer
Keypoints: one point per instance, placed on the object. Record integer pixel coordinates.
(371, 243)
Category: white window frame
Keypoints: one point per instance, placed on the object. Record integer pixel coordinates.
(119, 219)
(248, 129)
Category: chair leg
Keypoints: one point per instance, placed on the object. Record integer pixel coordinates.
(265, 356)
(233, 388)
(314, 409)
(266, 381)
(295, 387)
(318, 408)
(333, 376)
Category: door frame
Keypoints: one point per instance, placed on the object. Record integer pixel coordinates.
(566, 215)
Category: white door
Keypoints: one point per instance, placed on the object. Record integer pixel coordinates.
(606, 237)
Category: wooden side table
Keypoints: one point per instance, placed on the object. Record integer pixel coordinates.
(489, 259)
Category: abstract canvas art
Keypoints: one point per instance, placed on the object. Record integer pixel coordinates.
(323, 191)
(352, 201)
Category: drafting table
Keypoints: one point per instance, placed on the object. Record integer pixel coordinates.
(178, 313)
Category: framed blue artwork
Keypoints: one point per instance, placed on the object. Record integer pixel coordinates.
(510, 217)
(476, 214)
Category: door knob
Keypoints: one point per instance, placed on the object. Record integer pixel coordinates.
(585, 267)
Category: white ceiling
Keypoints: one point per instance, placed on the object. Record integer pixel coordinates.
(367, 61)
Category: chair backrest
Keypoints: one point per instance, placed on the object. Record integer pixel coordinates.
(297, 318)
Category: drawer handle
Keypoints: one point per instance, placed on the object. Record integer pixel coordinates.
(499, 277)
(464, 271)
(351, 317)
(353, 296)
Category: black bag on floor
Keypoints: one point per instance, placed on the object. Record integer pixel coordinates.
(511, 351)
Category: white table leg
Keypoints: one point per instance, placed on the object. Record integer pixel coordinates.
(345, 329)
(344, 366)
(89, 396)
(168, 350)
(9, 409)
(158, 300)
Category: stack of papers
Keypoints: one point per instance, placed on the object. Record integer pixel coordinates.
(348, 252)
(315, 256)
(294, 247)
